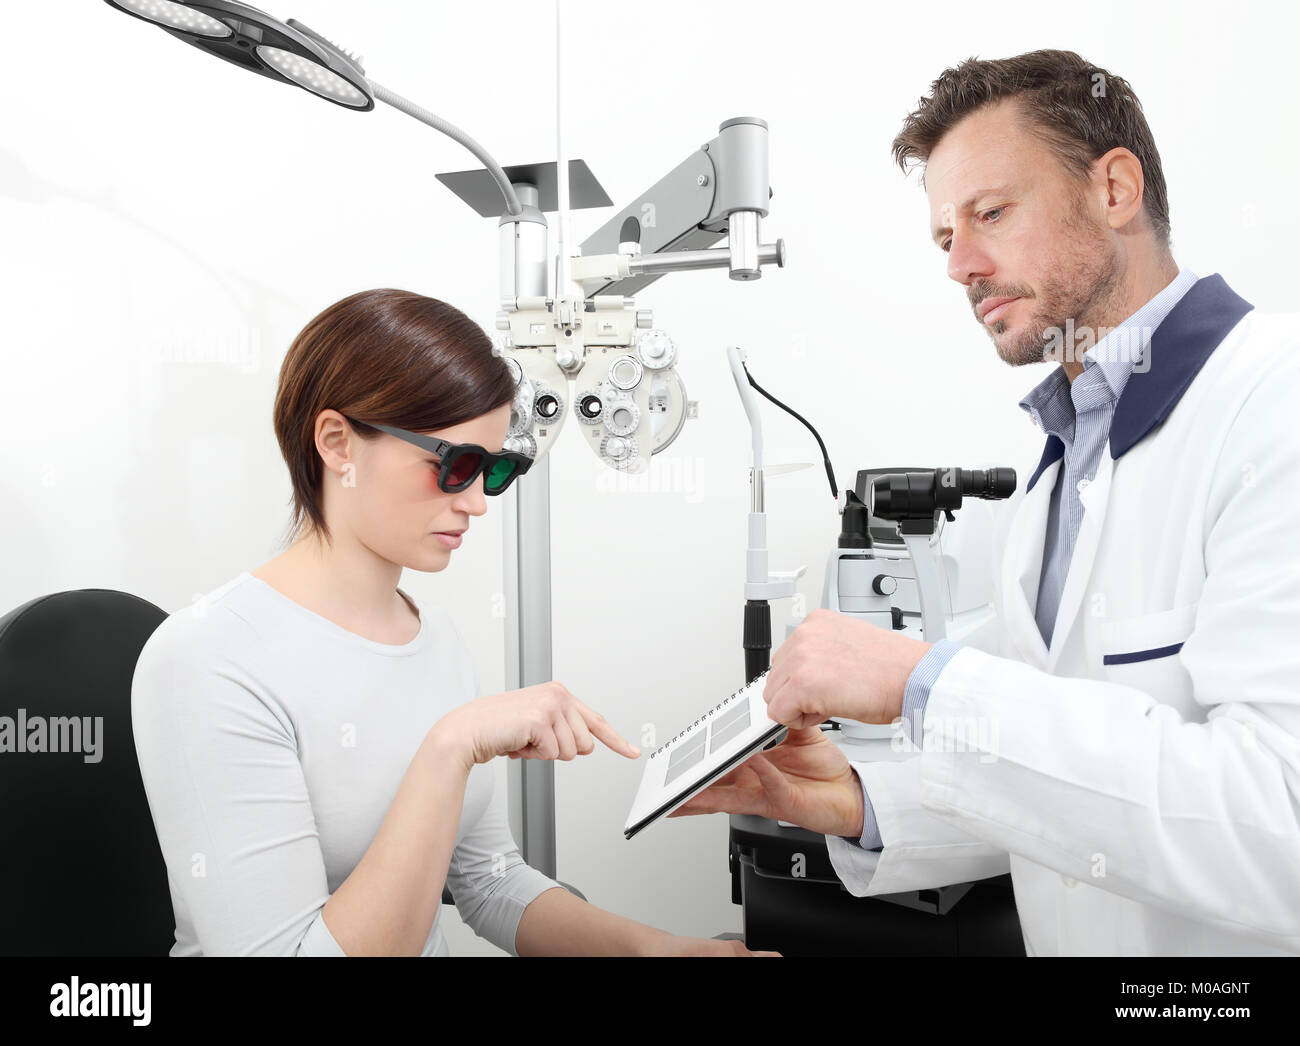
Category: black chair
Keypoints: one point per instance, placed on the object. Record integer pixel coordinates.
(82, 872)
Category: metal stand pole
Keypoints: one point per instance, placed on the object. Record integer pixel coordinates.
(527, 563)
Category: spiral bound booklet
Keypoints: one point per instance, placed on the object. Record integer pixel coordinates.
(715, 744)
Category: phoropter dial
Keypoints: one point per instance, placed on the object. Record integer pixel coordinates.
(618, 451)
(655, 349)
(548, 405)
(625, 373)
(521, 443)
(622, 416)
(589, 408)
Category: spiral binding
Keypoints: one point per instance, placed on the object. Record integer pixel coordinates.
(725, 701)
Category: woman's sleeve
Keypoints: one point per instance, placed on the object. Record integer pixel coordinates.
(487, 876)
(229, 801)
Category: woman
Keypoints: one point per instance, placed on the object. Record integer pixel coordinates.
(310, 737)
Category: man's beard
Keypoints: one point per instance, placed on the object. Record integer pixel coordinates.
(1081, 292)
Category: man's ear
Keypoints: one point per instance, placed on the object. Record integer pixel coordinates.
(1118, 174)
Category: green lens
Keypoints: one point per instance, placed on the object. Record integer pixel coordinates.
(499, 474)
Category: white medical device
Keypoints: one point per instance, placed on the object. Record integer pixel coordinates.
(588, 351)
(895, 565)
(898, 566)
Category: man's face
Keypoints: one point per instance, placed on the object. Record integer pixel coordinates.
(1025, 237)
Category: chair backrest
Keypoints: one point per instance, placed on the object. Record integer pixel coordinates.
(81, 872)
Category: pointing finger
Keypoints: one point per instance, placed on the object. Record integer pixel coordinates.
(600, 727)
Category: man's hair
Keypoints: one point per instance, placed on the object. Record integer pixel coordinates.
(1079, 110)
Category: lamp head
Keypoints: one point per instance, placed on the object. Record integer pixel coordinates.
(253, 40)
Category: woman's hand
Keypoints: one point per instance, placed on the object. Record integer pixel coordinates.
(671, 944)
(805, 780)
(538, 722)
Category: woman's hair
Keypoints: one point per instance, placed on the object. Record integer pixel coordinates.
(386, 356)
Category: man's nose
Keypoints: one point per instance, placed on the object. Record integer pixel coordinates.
(966, 261)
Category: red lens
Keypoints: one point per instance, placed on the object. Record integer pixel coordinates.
(463, 468)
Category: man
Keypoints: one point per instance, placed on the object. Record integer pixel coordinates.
(1128, 744)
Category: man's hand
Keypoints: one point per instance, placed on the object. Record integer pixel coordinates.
(834, 665)
(805, 780)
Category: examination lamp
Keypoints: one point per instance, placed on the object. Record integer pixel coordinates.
(294, 54)
(252, 39)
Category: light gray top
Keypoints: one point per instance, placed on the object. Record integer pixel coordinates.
(271, 743)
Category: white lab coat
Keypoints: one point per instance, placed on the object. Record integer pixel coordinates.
(1148, 805)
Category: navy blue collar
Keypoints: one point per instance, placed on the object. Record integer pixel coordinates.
(1179, 348)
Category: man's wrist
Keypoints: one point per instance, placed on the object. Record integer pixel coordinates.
(857, 820)
(916, 691)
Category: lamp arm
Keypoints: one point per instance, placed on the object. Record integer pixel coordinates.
(452, 131)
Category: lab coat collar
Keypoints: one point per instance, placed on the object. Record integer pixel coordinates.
(1022, 567)
(1179, 348)
(1051, 403)
(1093, 498)
(1052, 453)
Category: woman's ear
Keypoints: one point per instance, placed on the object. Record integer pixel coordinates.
(338, 445)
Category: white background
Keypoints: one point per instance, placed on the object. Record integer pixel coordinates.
(169, 222)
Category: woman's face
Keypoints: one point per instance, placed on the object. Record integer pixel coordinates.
(385, 490)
